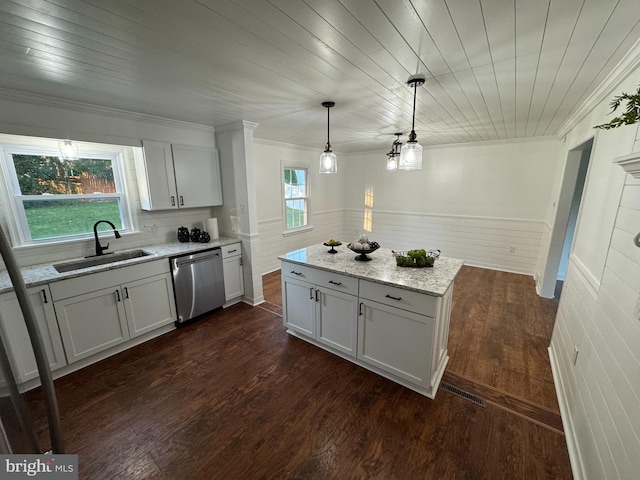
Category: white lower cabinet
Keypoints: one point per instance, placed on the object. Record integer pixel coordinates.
(148, 304)
(232, 271)
(19, 347)
(395, 332)
(394, 340)
(99, 311)
(326, 315)
(92, 322)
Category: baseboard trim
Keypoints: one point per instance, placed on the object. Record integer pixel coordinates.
(575, 459)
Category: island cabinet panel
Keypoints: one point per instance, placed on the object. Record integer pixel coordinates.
(393, 321)
(298, 306)
(396, 341)
(336, 320)
(325, 315)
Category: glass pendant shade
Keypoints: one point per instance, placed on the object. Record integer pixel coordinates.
(328, 162)
(410, 156)
(392, 163)
(69, 150)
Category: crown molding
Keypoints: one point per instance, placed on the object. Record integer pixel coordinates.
(75, 106)
(237, 126)
(620, 72)
(630, 163)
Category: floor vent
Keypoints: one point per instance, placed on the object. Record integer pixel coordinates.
(461, 393)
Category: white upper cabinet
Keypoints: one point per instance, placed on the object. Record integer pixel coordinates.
(178, 176)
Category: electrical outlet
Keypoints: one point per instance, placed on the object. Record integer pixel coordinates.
(512, 249)
(574, 357)
(150, 229)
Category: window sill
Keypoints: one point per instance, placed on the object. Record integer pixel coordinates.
(295, 231)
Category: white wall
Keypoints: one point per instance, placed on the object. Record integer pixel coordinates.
(485, 203)
(599, 396)
(326, 203)
(38, 116)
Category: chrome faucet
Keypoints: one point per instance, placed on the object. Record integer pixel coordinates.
(99, 248)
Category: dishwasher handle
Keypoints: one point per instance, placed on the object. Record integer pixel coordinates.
(191, 259)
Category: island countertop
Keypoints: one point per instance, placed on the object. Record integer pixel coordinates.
(382, 268)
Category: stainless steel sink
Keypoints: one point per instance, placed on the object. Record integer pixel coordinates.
(100, 260)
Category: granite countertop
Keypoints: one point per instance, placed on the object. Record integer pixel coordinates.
(381, 269)
(35, 275)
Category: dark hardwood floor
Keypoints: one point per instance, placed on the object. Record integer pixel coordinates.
(233, 396)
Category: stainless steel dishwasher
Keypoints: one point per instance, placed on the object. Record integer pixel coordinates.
(198, 283)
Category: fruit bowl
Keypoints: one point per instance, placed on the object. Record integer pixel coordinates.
(415, 258)
(362, 257)
(332, 243)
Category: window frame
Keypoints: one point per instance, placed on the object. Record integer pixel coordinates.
(17, 220)
(295, 165)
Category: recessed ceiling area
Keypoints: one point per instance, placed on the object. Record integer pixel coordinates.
(495, 69)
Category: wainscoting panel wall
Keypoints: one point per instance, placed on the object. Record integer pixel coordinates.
(326, 225)
(501, 244)
(599, 389)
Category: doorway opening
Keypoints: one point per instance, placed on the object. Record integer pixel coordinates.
(565, 223)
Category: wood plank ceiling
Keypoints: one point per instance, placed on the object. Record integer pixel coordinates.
(495, 69)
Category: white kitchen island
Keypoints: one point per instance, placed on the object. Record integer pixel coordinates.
(391, 320)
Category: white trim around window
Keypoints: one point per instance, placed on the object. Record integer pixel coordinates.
(306, 198)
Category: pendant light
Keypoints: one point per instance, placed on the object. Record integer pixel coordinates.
(394, 153)
(411, 153)
(328, 161)
(69, 150)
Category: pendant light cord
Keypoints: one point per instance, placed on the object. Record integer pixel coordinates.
(328, 142)
(413, 118)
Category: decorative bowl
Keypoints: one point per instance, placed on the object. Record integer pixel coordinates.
(362, 257)
(332, 250)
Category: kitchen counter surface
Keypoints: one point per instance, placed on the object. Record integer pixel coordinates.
(35, 275)
(381, 269)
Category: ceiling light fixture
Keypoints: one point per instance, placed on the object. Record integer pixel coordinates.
(394, 153)
(411, 152)
(69, 150)
(328, 161)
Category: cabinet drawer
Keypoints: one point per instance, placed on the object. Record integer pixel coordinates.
(400, 298)
(293, 270)
(96, 281)
(231, 250)
(336, 281)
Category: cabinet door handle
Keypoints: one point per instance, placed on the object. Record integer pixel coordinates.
(317, 296)
(126, 292)
(44, 296)
(173, 201)
(311, 293)
(296, 273)
(393, 298)
(241, 261)
(181, 201)
(118, 295)
(335, 283)
(234, 250)
(360, 309)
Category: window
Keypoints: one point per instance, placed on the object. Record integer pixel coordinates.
(296, 197)
(55, 199)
